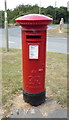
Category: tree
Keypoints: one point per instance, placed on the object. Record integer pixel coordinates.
(55, 13)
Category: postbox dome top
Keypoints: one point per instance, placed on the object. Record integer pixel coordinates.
(34, 19)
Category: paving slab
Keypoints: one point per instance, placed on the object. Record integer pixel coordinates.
(49, 109)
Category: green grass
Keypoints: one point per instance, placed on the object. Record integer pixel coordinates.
(12, 75)
(56, 76)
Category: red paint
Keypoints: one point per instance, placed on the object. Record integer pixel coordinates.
(34, 33)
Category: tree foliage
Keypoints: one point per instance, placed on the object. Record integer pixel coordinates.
(21, 10)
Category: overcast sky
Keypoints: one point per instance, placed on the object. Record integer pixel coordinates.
(11, 4)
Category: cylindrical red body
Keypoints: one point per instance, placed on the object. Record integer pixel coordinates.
(34, 56)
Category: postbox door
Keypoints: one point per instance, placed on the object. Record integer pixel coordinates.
(34, 56)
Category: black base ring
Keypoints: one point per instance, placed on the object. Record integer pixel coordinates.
(34, 99)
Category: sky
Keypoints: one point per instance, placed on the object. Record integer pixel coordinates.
(11, 4)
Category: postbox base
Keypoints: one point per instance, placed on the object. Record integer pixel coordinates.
(34, 99)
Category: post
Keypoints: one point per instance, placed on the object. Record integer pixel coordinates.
(55, 9)
(68, 6)
(68, 9)
(6, 28)
(61, 27)
(40, 7)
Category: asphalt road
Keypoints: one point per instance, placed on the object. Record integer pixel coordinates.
(54, 44)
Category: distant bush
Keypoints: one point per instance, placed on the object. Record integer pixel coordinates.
(56, 22)
(21, 10)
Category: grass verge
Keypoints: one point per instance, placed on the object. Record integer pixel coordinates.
(11, 75)
(56, 76)
(54, 31)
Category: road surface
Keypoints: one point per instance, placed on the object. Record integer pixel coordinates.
(54, 44)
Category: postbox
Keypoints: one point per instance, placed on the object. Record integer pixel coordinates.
(34, 29)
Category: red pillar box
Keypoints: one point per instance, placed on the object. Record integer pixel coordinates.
(34, 56)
